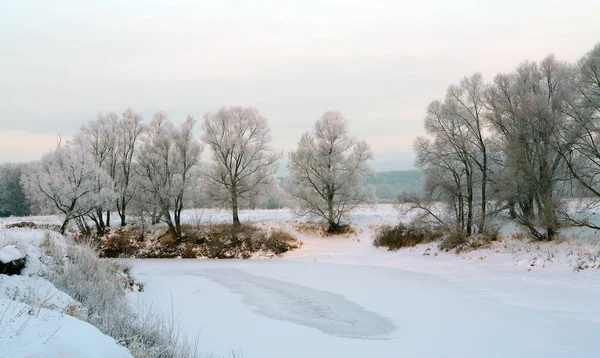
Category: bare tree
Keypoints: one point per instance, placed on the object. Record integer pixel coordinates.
(466, 103)
(525, 110)
(69, 180)
(447, 159)
(167, 165)
(98, 137)
(243, 161)
(327, 169)
(128, 132)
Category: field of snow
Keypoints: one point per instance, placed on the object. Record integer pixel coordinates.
(342, 297)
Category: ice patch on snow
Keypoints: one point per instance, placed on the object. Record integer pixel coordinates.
(328, 312)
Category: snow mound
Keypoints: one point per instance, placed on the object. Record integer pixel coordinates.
(328, 312)
(10, 253)
(27, 332)
(34, 291)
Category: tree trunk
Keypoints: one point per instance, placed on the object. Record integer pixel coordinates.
(99, 228)
(107, 218)
(511, 209)
(63, 227)
(100, 217)
(483, 191)
(121, 211)
(469, 202)
(177, 216)
(236, 218)
(331, 217)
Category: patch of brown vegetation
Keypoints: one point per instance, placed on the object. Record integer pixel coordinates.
(321, 230)
(401, 235)
(308, 228)
(458, 241)
(168, 239)
(120, 242)
(32, 225)
(72, 311)
(222, 241)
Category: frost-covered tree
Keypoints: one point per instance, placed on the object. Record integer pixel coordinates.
(112, 142)
(167, 166)
(68, 180)
(526, 113)
(98, 138)
(128, 131)
(327, 169)
(243, 161)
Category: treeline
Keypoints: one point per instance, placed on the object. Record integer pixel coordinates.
(118, 166)
(521, 142)
(387, 185)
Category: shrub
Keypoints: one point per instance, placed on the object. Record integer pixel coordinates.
(117, 246)
(168, 240)
(280, 241)
(189, 251)
(340, 230)
(458, 241)
(453, 240)
(401, 235)
(22, 225)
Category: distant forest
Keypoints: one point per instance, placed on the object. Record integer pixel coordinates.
(388, 185)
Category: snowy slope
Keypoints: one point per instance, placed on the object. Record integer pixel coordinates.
(45, 333)
(33, 313)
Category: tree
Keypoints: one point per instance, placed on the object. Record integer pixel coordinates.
(243, 161)
(327, 169)
(466, 103)
(98, 138)
(525, 111)
(13, 201)
(68, 180)
(128, 132)
(167, 166)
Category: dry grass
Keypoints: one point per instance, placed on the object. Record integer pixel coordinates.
(321, 230)
(101, 288)
(399, 236)
(459, 242)
(168, 240)
(72, 311)
(221, 240)
(280, 241)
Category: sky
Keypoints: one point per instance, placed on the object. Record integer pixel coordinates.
(378, 62)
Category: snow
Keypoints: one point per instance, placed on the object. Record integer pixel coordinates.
(330, 313)
(338, 297)
(342, 297)
(10, 253)
(47, 333)
(33, 312)
(35, 291)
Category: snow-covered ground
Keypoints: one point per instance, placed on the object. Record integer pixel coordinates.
(34, 314)
(334, 297)
(342, 297)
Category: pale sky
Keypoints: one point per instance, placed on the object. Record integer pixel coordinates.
(378, 62)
